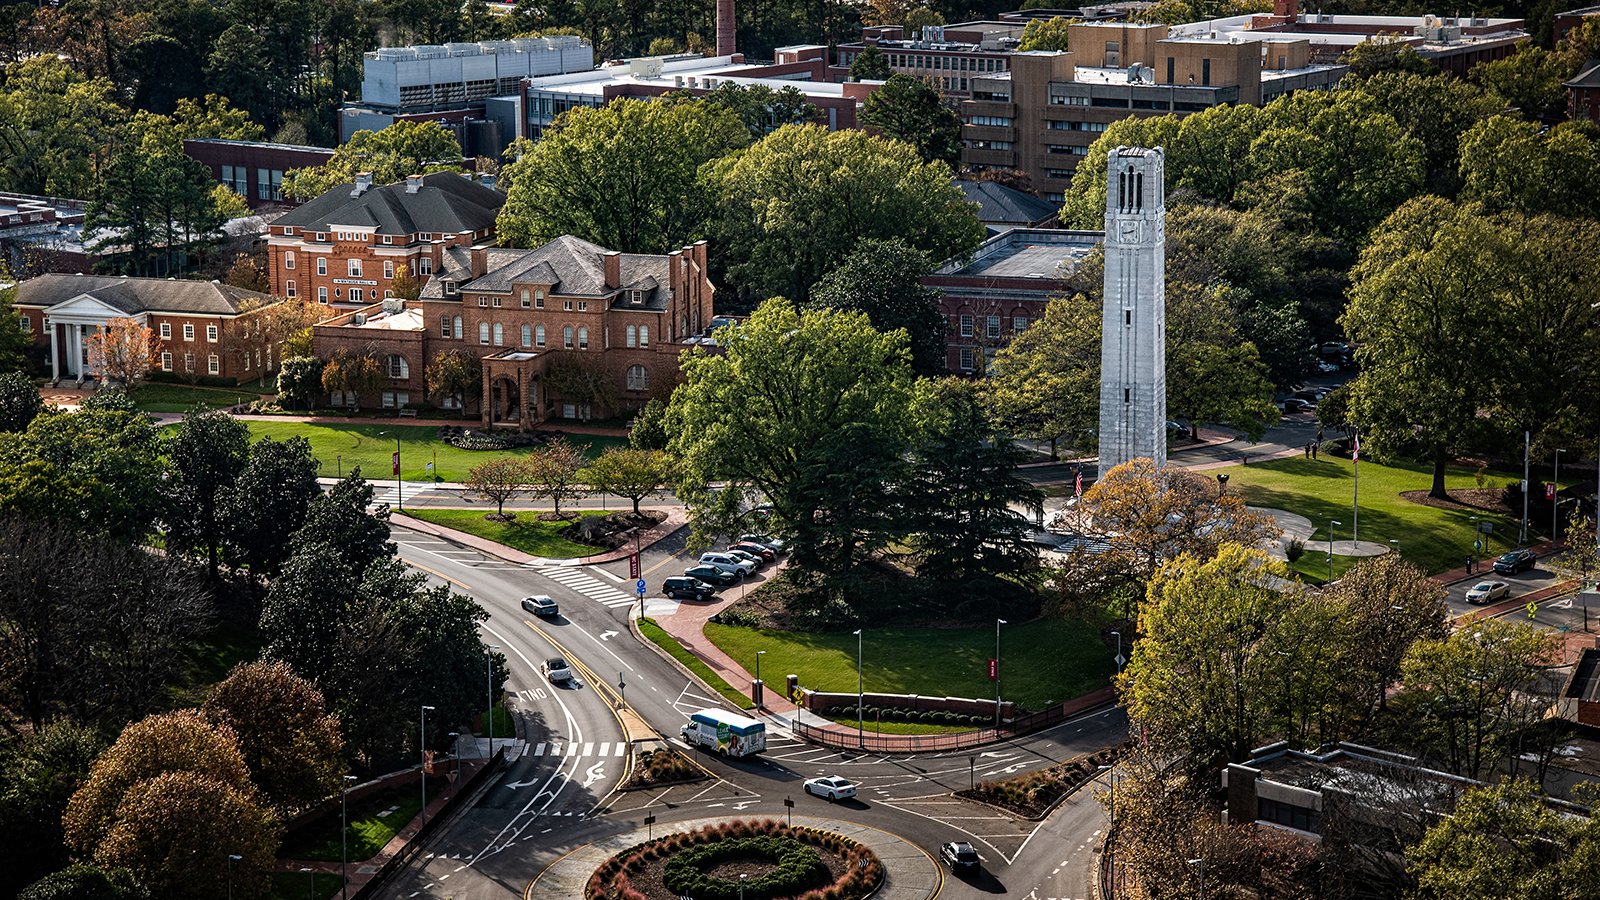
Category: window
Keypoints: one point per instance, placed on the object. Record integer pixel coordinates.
(496, 301)
(989, 120)
(482, 301)
(166, 331)
(989, 145)
(444, 326)
(322, 265)
(994, 326)
(357, 295)
(966, 358)
(583, 306)
(566, 305)
(638, 379)
(566, 337)
(388, 268)
(538, 299)
(387, 294)
(1067, 149)
(538, 336)
(1205, 71)
(425, 265)
(583, 338)
(166, 361)
(427, 235)
(322, 237)
(288, 259)
(525, 301)
(188, 362)
(395, 367)
(322, 295)
(450, 288)
(354, 267)
(290, 290)
(633, 336)
(188, 332)
(1170, 68)
(966, 326)
(213, 365)
(1069, 101)
(644, 335)
(1019, 324)
(388, 399)
(483, 332)
(457, 327)
(527, 335)
(1288, 814)
(499, 335)
(388, 239)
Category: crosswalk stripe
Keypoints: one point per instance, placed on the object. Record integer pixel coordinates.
(539, 750)
(603, 748)
(587, 750)
(620, 748)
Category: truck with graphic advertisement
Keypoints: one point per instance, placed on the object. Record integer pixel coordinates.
(729, 734)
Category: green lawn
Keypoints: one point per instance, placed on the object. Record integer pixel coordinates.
(1435, 539)
(340, 447)
(213, 658)
(1313, 567)
(177, 398)
(369, 831)
(298, 885)
(503, 726)
(667, 642)
(1042, 662)
(527, 533)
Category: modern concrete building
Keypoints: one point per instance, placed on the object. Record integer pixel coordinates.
(1133, 348)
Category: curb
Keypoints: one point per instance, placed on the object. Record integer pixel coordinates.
(633, 628)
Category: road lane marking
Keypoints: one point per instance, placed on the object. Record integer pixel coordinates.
(461, 584)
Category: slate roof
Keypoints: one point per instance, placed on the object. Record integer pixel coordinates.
(1588, 76)
(445, 204)
(572, 266)
(138, 295)
(1002, 205)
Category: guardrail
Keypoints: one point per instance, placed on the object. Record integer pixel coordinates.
(876, 742)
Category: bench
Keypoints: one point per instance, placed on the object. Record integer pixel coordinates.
(408, 412)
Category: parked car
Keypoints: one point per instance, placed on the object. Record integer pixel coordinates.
(1515, 561)
(754, 549)
(765, 540)
(727, 563)
(1326, 367)
(1311, 395)
(557, 670)
(1295, 405)
(692, 588)
(1178, 432)
(1488, 592)
(830, 786)
(959, 856)
(541, 605)
(713, 575)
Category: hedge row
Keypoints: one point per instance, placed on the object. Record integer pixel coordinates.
(893, 714)
(798, 867)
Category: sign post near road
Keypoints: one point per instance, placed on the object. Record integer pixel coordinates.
(633, 565)
(789, 808)
(639, 585)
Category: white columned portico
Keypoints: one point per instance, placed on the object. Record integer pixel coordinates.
(55, 352)
(77, 349)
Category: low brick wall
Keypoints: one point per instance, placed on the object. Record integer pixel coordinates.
(815, 700)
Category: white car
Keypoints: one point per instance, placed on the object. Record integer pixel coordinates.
(830, 786)
(727, 563)
(1488, 592)
(750, 558)
(541, 605)
(557, 670)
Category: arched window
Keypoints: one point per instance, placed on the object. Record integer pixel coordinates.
(644, 335)
(527, 335)
(566, 337)
(483, 332)
(395, 367)
(638, 379)
(583, 338)
(458, 328)
(499, 335)
(538, 336)
(633, 336)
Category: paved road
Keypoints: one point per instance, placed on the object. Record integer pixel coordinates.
(549, 804)
(1521, 583)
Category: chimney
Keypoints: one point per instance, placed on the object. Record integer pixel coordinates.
(1288, 9)
(413, 183)
(487, 181)
(613, 269)
(727, 45)
(480, 262)
(363, 181)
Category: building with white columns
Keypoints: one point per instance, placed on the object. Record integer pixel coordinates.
(194, 321)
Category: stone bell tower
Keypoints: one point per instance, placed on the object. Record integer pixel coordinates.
(1133, 350)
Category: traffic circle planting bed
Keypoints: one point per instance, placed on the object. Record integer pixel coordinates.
(777, 863)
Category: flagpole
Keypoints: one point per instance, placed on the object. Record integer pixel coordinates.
(1355, 518)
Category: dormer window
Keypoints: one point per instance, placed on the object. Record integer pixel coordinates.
(449, 287)
(427, 235)
(322, 236)
(636, 297)
(388, 239)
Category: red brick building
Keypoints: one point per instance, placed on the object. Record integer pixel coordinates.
(567, 330)
(345, 247)
(195, 321)
(1583, 93)
(255, 169)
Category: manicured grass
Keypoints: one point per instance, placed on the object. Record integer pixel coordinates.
(177, 398)
(1313, 567)
(341, 446)
(1435, 539)
(213, 658)
(296, 886)
(527, 533)
(1041, 662)
(503, 726)
(369, 831)
(903, 727)
(665, 641)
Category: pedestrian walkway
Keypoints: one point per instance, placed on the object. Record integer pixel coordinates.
(909, 873)
(675, 520)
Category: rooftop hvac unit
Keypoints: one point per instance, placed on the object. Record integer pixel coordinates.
(358, 319)
(648, 67)
(431, 51)
(497, 46)
(459, 49)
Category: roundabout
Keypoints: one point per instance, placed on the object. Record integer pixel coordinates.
(908, 872)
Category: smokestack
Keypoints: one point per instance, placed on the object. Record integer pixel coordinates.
(726, 41)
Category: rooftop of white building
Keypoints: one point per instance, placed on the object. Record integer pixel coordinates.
(676, 72)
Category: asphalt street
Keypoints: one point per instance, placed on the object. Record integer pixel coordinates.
(561, 792)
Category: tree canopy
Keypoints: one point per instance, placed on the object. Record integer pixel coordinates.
(913, 111)
(404, 148)
(882, 279)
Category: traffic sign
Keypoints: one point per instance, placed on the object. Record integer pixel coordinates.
(639, 586)
(633, 565)
(1121, 660)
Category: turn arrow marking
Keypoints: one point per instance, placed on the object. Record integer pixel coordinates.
(608, 635)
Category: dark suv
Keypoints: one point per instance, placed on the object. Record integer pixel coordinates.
(712, 574)
(691, 588)
(959, 856)
(1515, 561)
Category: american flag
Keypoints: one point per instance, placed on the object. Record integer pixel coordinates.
(1078, 484)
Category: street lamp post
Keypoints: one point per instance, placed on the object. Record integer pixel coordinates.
(1331, 523)
(455, 750)
(1396, 545)
(1477, 538)
(311, 883)
(1202, 864)
(861, 729)
(399, 493)
(422, 747)
(742, 877)
(763, 688)
(997, 624)
(344, 834)
(1119, 651)
(1555, 498)
(488, 653)
(231, 858)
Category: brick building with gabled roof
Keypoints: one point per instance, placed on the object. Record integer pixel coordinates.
(345, 247)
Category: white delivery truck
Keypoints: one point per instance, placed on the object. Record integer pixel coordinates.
(729, 734)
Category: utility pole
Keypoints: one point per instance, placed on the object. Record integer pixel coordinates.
(1526, 438)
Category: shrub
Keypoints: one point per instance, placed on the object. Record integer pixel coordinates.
(1295, 549)
(798, 867)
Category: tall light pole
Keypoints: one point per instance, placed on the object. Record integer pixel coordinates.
(1119, 651)
(997, 624)
(1112, 778)
(1555, 498)
(311, 883)
(344, 834)
(455, 750)
(1331, 523)
(488, 653)
(422, 746)
(762, 688)
(861, 736)
(1202, 864)
(231, 858)
(400, 497)
(1526, 441)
